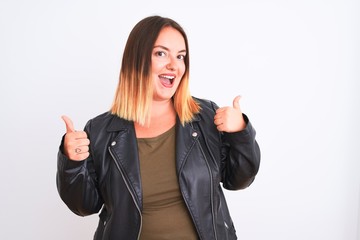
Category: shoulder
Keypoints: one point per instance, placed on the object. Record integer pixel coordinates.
(207, 111)
(106, 121)
(204, 120)
(207, 106)
(101, 119)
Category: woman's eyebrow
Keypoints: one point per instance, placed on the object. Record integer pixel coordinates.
(167, 49)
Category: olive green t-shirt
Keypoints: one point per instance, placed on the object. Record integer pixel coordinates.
(164, 214)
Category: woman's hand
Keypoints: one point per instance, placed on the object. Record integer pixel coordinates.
(230, 119)
(76, 143)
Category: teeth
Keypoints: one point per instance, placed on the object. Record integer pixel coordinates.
(168, 77)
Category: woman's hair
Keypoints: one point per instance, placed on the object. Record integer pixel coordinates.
(134, 92)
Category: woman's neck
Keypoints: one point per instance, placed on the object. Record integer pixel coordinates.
(159, 109)
(163, 117)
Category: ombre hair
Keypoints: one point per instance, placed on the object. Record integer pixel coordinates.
(134, 93)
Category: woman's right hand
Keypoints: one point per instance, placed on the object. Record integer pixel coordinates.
(76, 143)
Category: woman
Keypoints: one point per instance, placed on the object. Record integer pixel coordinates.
(154, 163)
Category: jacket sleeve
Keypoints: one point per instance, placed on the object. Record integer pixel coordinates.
(240, 158)
(77, 184)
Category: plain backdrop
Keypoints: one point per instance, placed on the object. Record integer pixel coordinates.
(296, 64)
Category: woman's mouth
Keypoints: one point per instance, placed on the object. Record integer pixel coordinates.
(167, 80)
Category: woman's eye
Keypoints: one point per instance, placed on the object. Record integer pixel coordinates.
(181, 57)
(160, 54)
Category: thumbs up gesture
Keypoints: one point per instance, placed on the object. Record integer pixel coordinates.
(230, 119)
(76, 143)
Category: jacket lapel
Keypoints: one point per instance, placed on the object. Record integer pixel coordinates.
(186, 137)
(124, 147)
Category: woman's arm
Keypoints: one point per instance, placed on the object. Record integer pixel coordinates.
(240, 153)
(240, 158)
(77, 183)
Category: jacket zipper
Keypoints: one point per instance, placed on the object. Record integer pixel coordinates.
(211, 191)
(211, 187)
(131, 193)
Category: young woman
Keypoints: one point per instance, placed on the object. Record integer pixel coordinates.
(153, 164)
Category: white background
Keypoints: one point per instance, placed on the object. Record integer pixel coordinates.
(296, 64)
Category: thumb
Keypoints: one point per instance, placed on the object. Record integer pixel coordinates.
(236, 100)
(69, 124)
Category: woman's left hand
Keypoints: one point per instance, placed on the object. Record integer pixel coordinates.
(230, 119)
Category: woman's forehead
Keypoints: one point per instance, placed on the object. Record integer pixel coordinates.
(170, 38)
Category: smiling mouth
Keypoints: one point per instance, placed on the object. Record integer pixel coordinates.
(167, 80)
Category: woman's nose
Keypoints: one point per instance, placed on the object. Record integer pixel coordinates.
(171, 65)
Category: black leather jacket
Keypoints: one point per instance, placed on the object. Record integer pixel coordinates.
(109, 180)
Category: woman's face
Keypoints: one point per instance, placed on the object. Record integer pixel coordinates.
(167, 63)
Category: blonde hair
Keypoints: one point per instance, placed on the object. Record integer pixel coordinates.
(134, 93)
